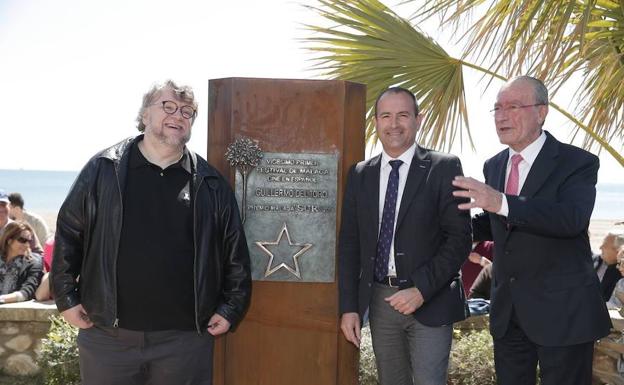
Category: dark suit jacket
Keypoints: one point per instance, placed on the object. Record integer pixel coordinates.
(543, 267)
(432, 237)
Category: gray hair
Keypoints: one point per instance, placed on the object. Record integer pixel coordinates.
(184, 93)
(618, 236)
(539, 89)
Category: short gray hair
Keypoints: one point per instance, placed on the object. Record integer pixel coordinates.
(618, 236)
(540, 92)
(184, 93)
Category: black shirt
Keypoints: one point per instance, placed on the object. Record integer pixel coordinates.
(156, 251)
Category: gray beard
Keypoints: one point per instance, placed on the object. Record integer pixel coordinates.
(177, 143)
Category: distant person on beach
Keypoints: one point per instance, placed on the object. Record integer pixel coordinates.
(606, 266)
(154, 234)
(18, 213)
(5, 219)
(538, 196)
(5, 209)
(20, 269)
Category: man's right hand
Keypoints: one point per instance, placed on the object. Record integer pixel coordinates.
(350, 326)
(77, 316)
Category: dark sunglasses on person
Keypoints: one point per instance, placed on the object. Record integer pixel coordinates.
(22, 240)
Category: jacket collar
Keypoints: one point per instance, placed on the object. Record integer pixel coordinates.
(542, 167)
(119, 153)
(419, 167)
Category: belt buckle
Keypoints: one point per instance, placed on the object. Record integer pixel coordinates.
(389, 278)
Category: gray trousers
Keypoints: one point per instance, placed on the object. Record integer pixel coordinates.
(113, 356)
(406, 351)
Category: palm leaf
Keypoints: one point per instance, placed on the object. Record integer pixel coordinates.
(370, 44)
(554, 40)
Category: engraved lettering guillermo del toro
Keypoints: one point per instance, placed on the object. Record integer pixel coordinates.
(290, 212)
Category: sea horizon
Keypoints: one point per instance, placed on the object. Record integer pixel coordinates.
(45, 190)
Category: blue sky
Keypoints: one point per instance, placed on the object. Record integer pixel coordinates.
(73, 72)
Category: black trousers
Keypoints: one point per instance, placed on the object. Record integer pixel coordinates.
(516, 359)
(113, 356)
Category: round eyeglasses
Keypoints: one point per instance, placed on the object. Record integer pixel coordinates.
(170, 107)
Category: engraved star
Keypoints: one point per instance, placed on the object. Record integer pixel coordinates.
(279, 253)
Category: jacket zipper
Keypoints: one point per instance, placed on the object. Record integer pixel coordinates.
(116, 322)
(195, 251)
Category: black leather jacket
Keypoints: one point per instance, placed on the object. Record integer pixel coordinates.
(88, 232)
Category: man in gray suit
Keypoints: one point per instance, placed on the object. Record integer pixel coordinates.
(402, 244)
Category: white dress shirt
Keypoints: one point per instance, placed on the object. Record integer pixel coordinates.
(384, 174)
(528, 158)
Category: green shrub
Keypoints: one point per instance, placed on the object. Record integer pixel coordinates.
(58, 359)
(472, 359)
(368, 368)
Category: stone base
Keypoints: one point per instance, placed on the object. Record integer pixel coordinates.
(22, 327)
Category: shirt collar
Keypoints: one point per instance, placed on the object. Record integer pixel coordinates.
(406, 157)
(137, 159)
(531, 151)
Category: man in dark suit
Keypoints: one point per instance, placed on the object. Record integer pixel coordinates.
(546, 305)
(402, 243)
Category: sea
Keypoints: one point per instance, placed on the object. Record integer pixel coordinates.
(44, 192)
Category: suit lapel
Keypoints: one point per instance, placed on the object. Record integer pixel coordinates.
(495, 176)
(501, 169)
(541, 169)
(418, 169)
(371, 185)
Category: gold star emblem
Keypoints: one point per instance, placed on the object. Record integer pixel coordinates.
(281, 252)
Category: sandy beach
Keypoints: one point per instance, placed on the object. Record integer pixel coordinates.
(597, 228)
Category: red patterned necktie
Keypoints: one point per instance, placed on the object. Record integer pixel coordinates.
(514, 176)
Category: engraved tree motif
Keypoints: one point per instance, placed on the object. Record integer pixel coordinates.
(244, 154)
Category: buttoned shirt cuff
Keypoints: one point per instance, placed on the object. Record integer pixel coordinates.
(504, 210)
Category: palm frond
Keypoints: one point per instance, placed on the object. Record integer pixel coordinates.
(371, 44)
(552, 40)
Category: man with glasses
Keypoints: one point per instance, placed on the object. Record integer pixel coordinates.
(537, 198)
(151, 261)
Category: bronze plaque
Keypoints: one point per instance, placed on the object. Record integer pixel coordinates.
(290, 218)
